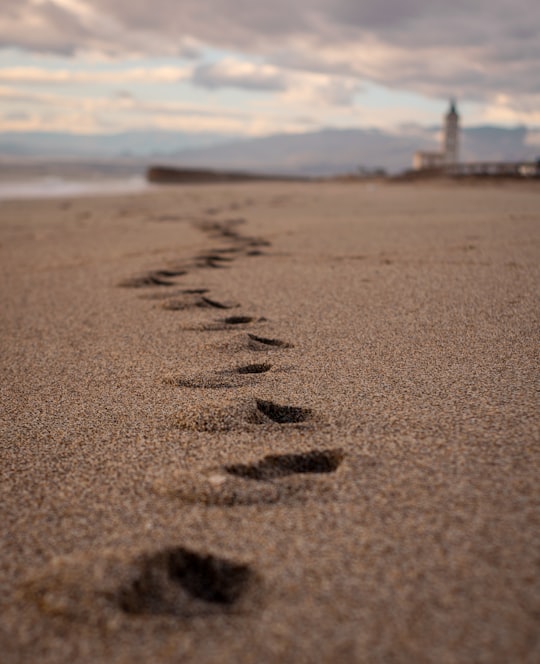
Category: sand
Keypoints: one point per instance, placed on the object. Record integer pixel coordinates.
(271, 423)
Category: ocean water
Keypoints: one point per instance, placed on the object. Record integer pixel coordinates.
(61, 187)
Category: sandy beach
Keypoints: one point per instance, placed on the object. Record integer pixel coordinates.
(271, 423)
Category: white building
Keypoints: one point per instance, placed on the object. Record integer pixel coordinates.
(449, 155)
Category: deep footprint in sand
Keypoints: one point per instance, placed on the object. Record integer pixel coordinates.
(275, 466)
(243, 414)
(100, 587)
(254, 368)
(181, 582)
(277, 478)
(283, 414)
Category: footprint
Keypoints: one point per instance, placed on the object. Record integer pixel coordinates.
(211, 260)
(238, 320)
(283, 414)
(279, 478)
(216, 304)
(229, 415)
(227, 229)
(215, 256)
(170, 273)
(221, 228)
(275, 466)
(225, 250)
(195, 300)
(111, 585)
(150, 279)
(256, 242)
(168, 294)
(181, 582)
(221, 324)
(226, 378)
(254, 368)
(263, 341)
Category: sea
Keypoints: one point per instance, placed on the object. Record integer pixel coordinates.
(63, 187)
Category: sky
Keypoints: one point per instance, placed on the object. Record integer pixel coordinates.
(253, 68)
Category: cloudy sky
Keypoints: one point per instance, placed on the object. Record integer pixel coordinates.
(248, 67)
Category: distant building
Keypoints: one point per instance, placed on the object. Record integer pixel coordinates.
(428, 161)
(447, 160)
(451, 136)
(449, 155)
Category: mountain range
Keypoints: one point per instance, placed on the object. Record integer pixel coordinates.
(323, 152)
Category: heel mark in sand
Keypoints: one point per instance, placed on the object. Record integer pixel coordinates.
(283, 414)
(178, 581)
(274, 466)
(269, 342)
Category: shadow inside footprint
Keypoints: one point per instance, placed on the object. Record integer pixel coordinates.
(215, 256)
(150, 279)
(194, 300)
(170, 581)
(283, 414)
(214, 261)
(170, 273)
(269, 342)
(275, 466)
(238, 320)
(254, 368)
(214, 303)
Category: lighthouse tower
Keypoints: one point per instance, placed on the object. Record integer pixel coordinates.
(451, 136)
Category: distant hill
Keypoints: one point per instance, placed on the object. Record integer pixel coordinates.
(332, 151)
(125, 144)
(324, 152)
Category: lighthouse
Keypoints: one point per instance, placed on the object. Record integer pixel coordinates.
(447, 157)
(451, 136)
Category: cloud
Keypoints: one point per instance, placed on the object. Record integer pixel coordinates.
(475, 50)
(293, 86)
(240, 74)
(37, 75)
(68, 27)
(48, 111)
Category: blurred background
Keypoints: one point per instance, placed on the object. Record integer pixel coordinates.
(96, 90)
